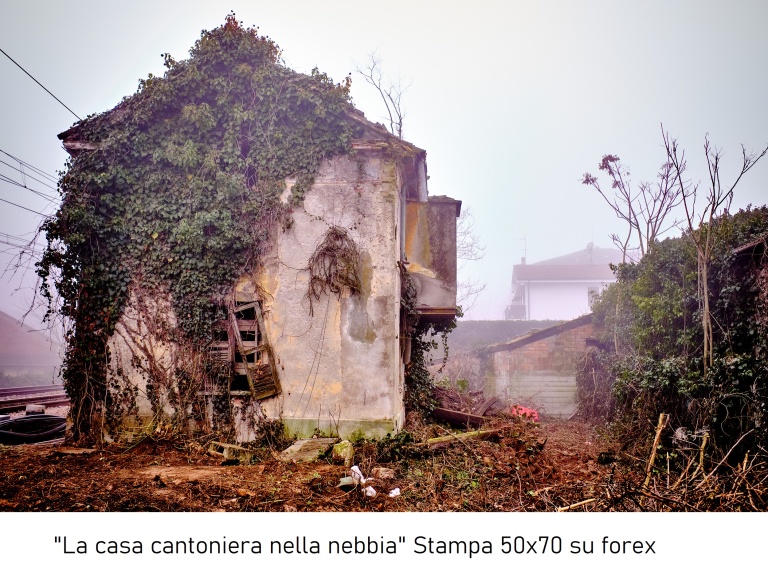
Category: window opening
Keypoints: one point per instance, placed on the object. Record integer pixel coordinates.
(239, 346)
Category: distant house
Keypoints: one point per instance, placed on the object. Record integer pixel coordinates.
(561, 288)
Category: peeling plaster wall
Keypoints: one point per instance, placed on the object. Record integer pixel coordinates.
(430, 249)
(340, 368)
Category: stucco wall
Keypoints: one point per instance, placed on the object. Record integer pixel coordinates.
(340, 368)
(540, 374)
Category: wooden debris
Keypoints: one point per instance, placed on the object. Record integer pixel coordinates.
(486, 406)
(540, 491)
(457, 418)
(437, 441)
(662, 422)
(74, 451)
(577, 504)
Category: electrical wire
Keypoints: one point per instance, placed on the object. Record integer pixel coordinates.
(12, 181)
(39, 83)
(32, 167)
(26, 208)
(24, 248)
(26, 176)
(17, 241)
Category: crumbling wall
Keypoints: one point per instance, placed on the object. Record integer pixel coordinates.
(338, 356)
(540, 374)
(430, 251)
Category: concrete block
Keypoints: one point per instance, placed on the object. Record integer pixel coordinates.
(343, 452)
(306, 450)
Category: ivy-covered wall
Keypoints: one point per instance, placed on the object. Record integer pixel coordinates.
(230, 169)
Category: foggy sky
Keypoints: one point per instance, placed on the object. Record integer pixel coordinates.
(513, 101)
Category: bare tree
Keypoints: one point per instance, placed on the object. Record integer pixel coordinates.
(645, 210)
(703, 222)
(468, 249)
(391, 92)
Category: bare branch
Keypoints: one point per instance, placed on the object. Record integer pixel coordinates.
(645, 211)
(716, 204)
(468, 245)
(391, 92)
(468, 248)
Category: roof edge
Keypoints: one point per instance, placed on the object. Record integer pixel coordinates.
(517, 343)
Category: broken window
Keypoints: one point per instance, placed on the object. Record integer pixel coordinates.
(240, 346)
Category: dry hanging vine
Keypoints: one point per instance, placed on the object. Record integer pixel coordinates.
(333, 266)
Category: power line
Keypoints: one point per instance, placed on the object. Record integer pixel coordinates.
(39, 83)
(15, 238)
(22, 247)
(19, 184)
(26, 208)
(37, 170)
(32, 177)
(18, 240)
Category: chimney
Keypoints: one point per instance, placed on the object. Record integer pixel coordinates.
(522, 261)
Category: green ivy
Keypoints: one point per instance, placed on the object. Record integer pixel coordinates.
(419, 385)
(182, 191)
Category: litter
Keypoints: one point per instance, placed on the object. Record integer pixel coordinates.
(369, 491)
(525, 412)
(394, 493)
(357, 475)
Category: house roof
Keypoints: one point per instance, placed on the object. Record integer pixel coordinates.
(592, 263)
(374, 135)
(752, 246)
(537, 335)
(590, 256)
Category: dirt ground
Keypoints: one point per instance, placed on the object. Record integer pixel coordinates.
(523, 467)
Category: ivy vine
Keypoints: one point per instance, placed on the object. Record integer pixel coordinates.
(419, 384)
(181, 192)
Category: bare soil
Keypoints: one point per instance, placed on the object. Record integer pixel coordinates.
(525, 467)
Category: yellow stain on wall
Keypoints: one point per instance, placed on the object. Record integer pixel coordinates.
(414, 268)
(417, 247)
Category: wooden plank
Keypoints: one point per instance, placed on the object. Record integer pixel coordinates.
(437, 441)
(457, 418)
(487, 404)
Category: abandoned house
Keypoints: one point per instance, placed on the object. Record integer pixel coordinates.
(311, 328)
